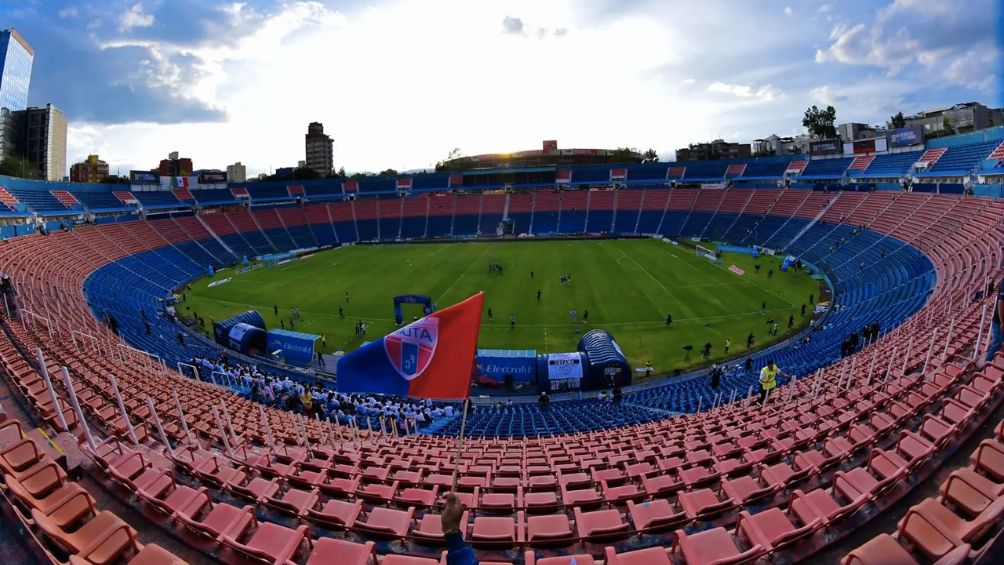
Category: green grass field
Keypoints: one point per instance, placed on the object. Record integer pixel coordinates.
(628, 287)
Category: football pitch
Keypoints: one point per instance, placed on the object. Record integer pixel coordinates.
(627, 286)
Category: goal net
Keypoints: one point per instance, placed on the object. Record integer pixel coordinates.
(708, 254)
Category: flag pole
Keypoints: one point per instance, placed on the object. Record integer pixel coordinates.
(460, 444)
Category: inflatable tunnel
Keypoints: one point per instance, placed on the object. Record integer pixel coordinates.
(246, 339)
(221, 329)
(607, 365)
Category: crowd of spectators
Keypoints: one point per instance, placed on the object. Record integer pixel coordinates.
(312, 400)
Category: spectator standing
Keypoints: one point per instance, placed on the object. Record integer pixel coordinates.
(768, 380)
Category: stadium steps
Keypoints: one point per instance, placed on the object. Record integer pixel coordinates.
(262, 231)
(998, 153)
(218, 239)
(718, 206)
(812, 223)
(929, 158)
(742, 210)
(789, 211)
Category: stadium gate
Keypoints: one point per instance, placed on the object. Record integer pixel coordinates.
(427, 306)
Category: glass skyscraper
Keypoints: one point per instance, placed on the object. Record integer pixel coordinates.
(16, 58)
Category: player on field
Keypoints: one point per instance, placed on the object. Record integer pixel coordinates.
(669, 320)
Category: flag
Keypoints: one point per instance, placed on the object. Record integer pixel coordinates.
(430, 358)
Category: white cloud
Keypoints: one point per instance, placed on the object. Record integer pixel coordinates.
(135, 17)
(826, 94)
(68, 12)
(512, 24)
(957, 45)
(376, 81)
(788, 11)
(766, 93)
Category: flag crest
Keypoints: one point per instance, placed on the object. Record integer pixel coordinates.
(431, 358)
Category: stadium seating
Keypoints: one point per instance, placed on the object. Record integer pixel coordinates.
(674, 473)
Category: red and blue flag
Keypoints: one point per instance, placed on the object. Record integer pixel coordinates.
(433, 357)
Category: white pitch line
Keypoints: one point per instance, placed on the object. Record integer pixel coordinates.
(657, 281)
(462, 275)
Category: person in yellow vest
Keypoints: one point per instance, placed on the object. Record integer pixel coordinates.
(768, 379)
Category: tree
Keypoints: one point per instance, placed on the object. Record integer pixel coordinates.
(341, 172)
(453, 155)
(114, 179)
(305, 173)
(16, 167)
(650, 156)
(820, 122)
(764, 153)
(897, 121)
(624, 155)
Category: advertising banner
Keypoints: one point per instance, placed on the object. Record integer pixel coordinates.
(905, 137)
(520, 364)
(297, 348)
(864, 146)
(564, 366)
(144, 177)
(825, 147)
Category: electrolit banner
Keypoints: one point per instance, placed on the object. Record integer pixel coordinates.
(520, 364)
(297, 348)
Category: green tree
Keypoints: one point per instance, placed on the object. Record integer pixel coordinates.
(341, 172)
(16, 167)
(388, 173)
(114, 179)
(897, 121)
(305, 173)
(650, 156)
(624, 155)
(819, 123)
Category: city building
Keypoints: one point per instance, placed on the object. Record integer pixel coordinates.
(16, 58)
(237, 172)
(175, 166)
(320, 151)
(960, 118)
(90, 169)
(717, 149)
(852, 131)
(777, 145)
(43, 141)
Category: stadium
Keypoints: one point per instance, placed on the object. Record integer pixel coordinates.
(555, 358)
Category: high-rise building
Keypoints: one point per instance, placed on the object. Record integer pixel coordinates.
(90, 169)
(320, 154)
(237, 172)
(175, 166)
(43, 141)
(16, 58)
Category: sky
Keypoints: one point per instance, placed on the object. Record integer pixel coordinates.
(400, 83)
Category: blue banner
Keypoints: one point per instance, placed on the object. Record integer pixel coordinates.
(297, 348)
(904, 137)
(520, 364)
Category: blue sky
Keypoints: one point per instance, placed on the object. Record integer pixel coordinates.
(399, 83)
